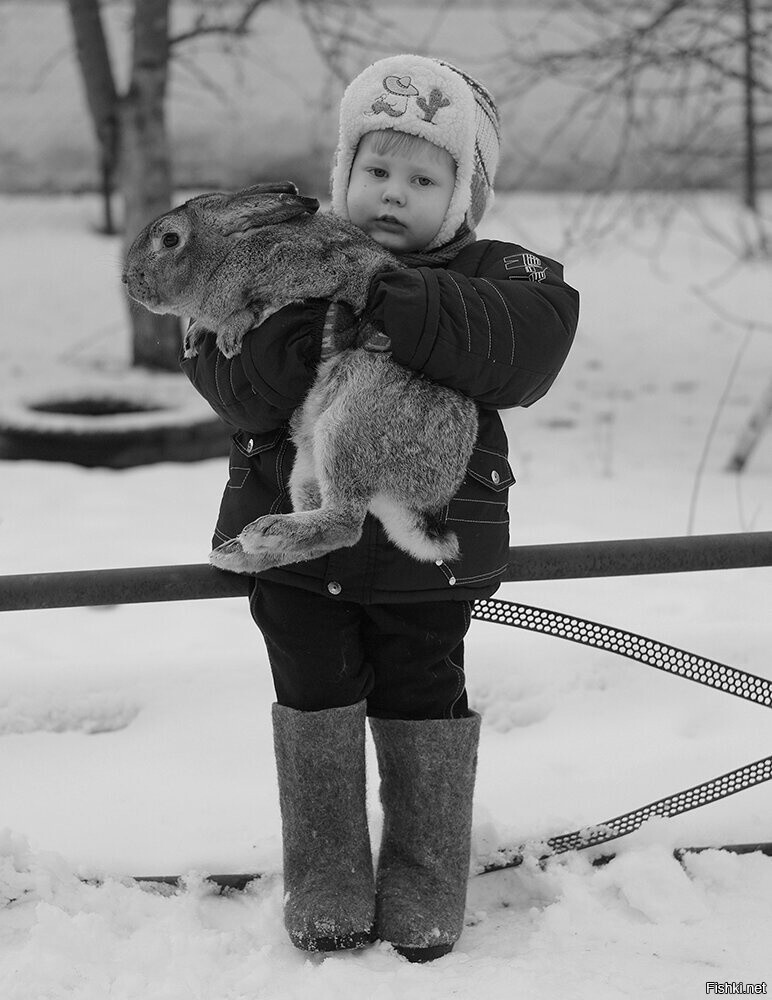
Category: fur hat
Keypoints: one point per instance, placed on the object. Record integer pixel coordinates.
(434, 100)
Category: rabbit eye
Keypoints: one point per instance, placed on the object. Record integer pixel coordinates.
(170, 240)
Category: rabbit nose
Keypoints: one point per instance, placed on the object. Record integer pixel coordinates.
(125, 278)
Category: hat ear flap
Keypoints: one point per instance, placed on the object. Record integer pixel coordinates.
(264, 205)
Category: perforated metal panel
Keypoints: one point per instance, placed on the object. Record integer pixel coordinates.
(655, 654)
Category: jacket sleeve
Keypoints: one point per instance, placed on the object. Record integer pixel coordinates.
(258, 389)
(500, 336)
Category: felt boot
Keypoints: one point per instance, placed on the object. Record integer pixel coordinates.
(329, 891)
(427, 782)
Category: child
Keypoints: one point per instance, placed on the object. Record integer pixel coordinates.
(367, 630)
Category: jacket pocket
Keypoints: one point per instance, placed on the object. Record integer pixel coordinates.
(479, 516)
(246, 447)
(491, 469)
(254, 444)
(258, 480)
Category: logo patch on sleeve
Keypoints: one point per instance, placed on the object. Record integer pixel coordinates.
(525, 265)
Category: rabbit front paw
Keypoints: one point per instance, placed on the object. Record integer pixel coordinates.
(194, 338)
(231, 331)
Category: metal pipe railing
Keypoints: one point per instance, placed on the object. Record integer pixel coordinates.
(561, 561)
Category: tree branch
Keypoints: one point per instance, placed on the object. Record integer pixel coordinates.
(236, 28)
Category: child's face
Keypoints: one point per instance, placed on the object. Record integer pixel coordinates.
(400, 198)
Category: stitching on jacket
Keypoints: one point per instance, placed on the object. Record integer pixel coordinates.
(276, 505)
(217, 362)
(472, 520)
(232, 485)
(488, 321)
(232, 385)
(466, 314)
(460, 684)
(497, 503)
(509, 316)
(483, 576)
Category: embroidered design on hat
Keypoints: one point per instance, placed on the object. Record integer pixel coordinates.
(437, 100)
(395, 102)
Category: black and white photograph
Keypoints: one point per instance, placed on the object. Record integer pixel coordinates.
(385, 499)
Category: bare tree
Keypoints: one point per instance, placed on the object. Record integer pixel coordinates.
(686, 86)
(683, 86)
(131, 127)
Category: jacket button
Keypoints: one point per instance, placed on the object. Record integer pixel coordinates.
(495, 477)
(334, 587)
(250, 444)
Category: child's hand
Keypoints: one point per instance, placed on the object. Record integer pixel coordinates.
(348, 332)
(371, 338)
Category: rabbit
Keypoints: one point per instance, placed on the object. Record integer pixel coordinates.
(370, 435)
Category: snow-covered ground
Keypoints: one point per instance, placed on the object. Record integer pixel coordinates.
(137, 739)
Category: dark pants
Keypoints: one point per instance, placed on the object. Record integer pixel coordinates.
(406, 660)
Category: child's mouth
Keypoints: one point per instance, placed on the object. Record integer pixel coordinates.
(389, 223)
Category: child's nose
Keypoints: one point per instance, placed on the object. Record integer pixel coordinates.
(393, 194)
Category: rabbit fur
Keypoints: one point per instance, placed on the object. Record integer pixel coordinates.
(370, 435)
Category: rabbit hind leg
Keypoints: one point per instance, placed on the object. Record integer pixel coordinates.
(306, 495)
(281, 539)
(230, 556)
(303, 484)
(420, 533)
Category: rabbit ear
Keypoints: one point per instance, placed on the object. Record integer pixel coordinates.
(264, 205)
(269, 187)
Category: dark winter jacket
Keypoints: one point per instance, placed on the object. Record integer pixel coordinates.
(496, 324)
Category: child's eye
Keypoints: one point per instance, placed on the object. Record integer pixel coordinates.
(377, 172)
(425, 181)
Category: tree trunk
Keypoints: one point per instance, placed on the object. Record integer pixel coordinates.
(145, 170)
(131, 132)
(101, 96)
(750, 179)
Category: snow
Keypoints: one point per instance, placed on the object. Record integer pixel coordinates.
(136, 739)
